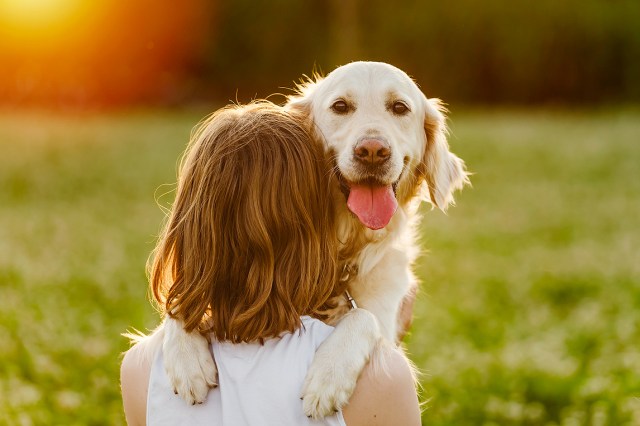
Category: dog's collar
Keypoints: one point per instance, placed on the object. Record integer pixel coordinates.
(347, 272)
(351, 300)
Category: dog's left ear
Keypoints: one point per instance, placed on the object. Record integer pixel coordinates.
(443, 171)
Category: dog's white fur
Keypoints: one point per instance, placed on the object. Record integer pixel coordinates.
(420, 157)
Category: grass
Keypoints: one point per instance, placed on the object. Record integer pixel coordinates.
(530, 305)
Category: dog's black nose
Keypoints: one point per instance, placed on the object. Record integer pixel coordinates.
(372, 151)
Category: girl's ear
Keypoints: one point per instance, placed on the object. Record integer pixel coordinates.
(443, 171)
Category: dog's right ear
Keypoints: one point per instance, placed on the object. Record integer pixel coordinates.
(301, 100)
(299, 104)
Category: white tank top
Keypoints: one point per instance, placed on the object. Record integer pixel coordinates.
(258, 384)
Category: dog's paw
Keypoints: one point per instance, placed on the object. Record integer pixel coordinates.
(338, 362)
(327, 388)
(190, 367)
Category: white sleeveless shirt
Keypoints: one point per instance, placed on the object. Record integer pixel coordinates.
(258, 384)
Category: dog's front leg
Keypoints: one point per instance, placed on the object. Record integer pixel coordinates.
(338, 362)
(382, 290)
(188, 362)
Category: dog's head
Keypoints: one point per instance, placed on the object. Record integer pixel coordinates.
(386, 137)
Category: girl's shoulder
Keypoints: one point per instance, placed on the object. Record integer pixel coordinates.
(135, 371)
(315, 325)
(385, 393)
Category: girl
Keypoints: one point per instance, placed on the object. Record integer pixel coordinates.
(249, 256)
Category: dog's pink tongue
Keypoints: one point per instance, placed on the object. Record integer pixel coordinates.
(373, 204)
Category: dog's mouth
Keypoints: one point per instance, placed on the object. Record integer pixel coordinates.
(372, 201)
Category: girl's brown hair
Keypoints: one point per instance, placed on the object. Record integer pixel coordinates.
(249, 244)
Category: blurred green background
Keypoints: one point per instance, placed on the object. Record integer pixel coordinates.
(529, 312)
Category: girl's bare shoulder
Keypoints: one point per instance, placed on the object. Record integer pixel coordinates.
(385, 393)
(134, 376)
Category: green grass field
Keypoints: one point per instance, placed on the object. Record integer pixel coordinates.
(530, 306)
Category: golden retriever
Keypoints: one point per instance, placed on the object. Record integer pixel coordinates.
(389, 150)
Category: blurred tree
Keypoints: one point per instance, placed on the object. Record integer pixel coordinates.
(495, 51)
(345, 30)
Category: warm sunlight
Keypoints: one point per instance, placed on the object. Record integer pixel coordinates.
(32, 20)
(98, 51)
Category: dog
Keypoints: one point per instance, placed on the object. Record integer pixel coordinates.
(387, 143)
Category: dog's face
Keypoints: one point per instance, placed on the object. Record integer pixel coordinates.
(382, 131)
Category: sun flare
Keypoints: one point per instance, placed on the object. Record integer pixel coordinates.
(33, 19)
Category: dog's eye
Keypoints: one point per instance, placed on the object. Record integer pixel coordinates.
(400, 108)
(340, 107)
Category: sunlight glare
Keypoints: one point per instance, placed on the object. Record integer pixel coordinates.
(37, 18)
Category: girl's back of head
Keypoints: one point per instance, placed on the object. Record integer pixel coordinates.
(250, 240)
